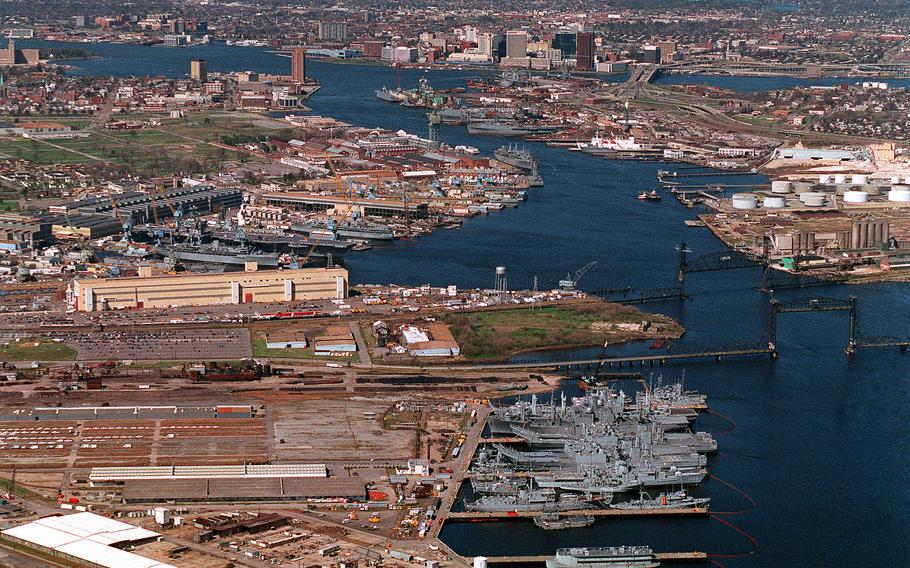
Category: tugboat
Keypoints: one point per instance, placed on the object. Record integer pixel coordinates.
(648, 196)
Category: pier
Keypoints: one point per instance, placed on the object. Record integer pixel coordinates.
(661, 556)
(647, 513)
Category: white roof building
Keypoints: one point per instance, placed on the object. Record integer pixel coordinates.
(88, 537)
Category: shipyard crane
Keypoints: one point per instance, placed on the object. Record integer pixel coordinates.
(338, 213)
(127, 223)
(570, 282)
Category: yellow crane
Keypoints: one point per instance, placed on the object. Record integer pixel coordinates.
(338, 213)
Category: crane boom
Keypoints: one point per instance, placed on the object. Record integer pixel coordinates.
(340, 184)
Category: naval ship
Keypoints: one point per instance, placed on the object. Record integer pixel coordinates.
(515, 157)
(604, 557)
(503, 128)
(674, 500)
(553, 522)
(527, 501)
(347, 229)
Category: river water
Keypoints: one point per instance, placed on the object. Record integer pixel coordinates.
(820, 442)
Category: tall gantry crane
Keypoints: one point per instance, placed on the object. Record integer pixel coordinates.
(570, 282)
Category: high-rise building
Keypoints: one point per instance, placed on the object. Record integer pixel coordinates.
(298, 65)
(488, 44)
(177, 26)
(584, 42)
(650, 54)
(199, 70)
(333, 31)
(516, 43)
(79, 21)
(667, 51)
(565, 42)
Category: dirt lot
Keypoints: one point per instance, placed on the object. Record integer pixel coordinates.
(338, 430)
(95, 443)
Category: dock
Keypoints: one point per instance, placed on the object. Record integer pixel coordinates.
(496, 515)
(661, 556)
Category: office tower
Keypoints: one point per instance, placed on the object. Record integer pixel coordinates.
(584, 42)
(298, 65)
(199, 70)
(516, 43)
(333, 31)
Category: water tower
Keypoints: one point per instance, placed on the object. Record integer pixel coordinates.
(502, 284)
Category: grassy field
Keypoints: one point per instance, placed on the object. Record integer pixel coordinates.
(497, 334)
(10, 205)
(260, 350)
(36, 349)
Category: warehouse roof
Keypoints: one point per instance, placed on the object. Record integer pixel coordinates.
(209, 471)
(89, 537)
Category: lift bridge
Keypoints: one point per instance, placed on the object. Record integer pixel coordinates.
(849, 305)
(711, 262)
(595, 366)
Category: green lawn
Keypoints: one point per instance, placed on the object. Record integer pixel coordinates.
(36, 349)
(497, 334)
(19, 490)
(10, 205)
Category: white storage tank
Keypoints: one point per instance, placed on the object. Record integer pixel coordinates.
(907, 180)
(840, 178)
(859, 179)
(781, 186)
(895, 180)
(825, 179)
(774, 202)
(902, 195)
(854, 196)
(744, 201)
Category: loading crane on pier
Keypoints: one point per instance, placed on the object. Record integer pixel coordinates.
(127, 223)
(570, 282)
(338, 212)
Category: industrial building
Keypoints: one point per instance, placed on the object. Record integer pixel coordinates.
(139, 204)
(286, 340)
(19, 232)
(107, 475)
(377, 207)
(335, 339)
(84, 539)
(430, 340)
(188, 289)
(269, 489)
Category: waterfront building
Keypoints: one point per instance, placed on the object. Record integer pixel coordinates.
(199, 70)
(298, 65)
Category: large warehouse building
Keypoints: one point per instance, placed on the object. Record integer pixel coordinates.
(251, 286)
